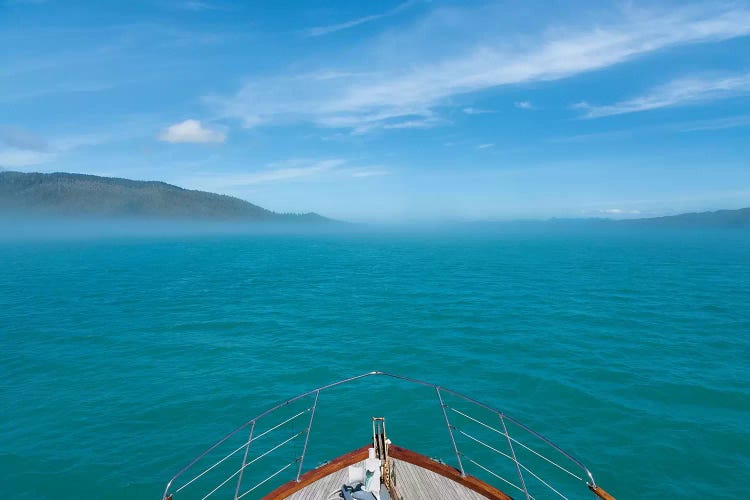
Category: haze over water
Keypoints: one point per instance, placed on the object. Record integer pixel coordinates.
(123, 357)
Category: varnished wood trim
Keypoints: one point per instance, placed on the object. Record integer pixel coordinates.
(601, 493)
(324, 470)
(412, 457)
(444, 470)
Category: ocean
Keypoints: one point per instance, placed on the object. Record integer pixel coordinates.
(123, 357)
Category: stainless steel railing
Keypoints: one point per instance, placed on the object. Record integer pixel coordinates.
(484, 441)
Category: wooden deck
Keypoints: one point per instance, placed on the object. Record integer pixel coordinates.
(412, 482)
(447, 481)
(415, 482)
(325, 487)
(315, 477)
(416, 477)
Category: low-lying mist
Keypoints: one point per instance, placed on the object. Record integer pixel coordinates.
(27, 228)
(40, 228)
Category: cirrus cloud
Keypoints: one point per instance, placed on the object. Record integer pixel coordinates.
(397, 87)
(325, 30)
(680, 92)
(293, 170)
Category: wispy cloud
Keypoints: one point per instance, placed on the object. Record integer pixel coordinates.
(56, 90)
(401, 86)
(17, 138)
(476, 111)
(198, 6)
(619, 211)
(369, 172)
(485, 146)
(673, 127)
(83, 59)
(325, 30)
(293, 170)
(20, 148)
(523, 105)
(679, 92)
(594, 136)
(191, 131)
(714, 124)
(23, 149)
(25, 2)
(427, 122)
(290, 172)
(17, 158)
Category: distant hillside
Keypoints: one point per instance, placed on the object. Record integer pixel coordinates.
(63, 194)
(719, 218)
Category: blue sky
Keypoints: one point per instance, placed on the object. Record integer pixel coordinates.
(389, 111)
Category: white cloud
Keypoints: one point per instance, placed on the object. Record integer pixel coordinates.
(485, 146)
(524, 105)
(619, 211)
(410, 75)
(191, 131)
(325, 30)
(679, 92)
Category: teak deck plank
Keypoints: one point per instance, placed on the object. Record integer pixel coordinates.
(415, 482)
(308, 478)
(324, 487)
(417, 477)
(447, 475)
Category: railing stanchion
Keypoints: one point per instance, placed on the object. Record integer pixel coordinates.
(450, 431)
(244, 460)
(522, 470)
(515, 460)
(307, 436)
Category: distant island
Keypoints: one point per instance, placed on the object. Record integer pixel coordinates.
(718, 218)
(65, 194)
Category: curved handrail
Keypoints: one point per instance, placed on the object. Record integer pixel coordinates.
(591, 483)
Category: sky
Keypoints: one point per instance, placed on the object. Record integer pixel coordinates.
(402, 111)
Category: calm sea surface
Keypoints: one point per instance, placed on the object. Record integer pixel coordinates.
(122, 358)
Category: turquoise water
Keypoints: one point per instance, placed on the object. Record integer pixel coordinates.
(124, 358)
